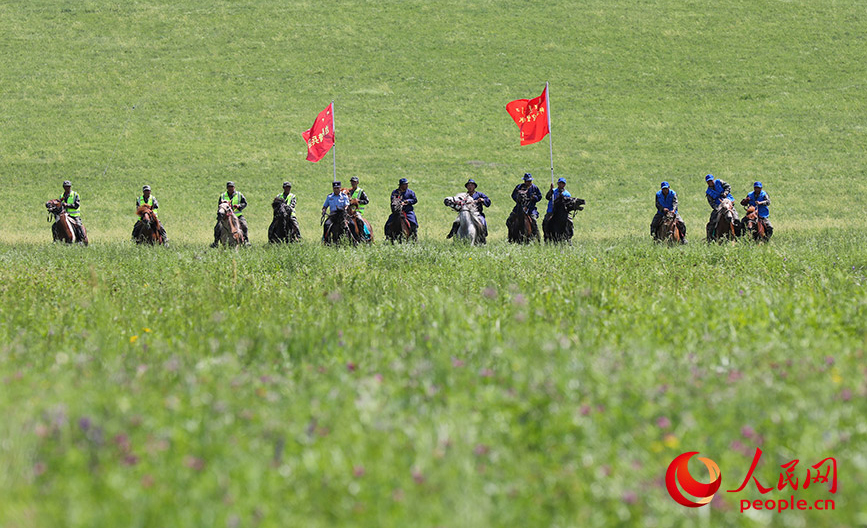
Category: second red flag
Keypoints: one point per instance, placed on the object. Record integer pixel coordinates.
(531, 116)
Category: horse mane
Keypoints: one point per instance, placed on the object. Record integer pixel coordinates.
(142, 209)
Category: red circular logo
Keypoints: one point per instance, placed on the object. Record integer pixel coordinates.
(678, 473)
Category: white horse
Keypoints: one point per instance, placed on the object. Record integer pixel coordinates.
(471, 226)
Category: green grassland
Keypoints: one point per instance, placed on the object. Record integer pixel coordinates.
(430, 384)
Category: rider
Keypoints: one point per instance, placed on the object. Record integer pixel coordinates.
(760, 200)
(552, 195)
(717, 191)
(528, 192)
(71, 202)
(238, 204)
(356, 193)
(333, 202)
(290, 199)
(666, 200)
(148, 199)
(407, 200)
(481, 200)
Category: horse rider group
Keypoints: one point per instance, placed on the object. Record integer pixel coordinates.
(717, 191)
(525, 195)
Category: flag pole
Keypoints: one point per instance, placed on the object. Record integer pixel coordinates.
(334, 146)
(550, 141)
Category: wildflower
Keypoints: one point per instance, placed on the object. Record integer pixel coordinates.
(663, 422)
(133, 339)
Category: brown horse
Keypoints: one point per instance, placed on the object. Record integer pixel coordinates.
(754, 224)
(401, 229)
(63, 228)
(359, 228)
(230, 228)
(522, 226)
(668, 230)
(725, 224)
(151, 231)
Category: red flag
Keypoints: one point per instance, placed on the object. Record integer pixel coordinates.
(320, 137)
(531, 116)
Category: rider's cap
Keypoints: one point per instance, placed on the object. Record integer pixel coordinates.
(335, 184)
(287, 184)
(471, 181)
(67, 183)
(146, 188)
(664, 185)
(561, 180)
(758, 184)
(230, 184)
(528, 176)
(708, 178)
(402, 181)
(354, 178)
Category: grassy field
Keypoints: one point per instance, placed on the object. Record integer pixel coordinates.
(431, 384)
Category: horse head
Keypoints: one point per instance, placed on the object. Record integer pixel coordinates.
(396, 203)
(573, 204)
(145, 213)
(54, 207)
(224, 210)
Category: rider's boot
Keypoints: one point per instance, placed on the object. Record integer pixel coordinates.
(453, 231)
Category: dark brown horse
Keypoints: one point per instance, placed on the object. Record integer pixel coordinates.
(338, 228)
(668, 231)
(725, 224)
(359, 228)
(400, 229)
(150, 231)
(63, 228)
(521, 225)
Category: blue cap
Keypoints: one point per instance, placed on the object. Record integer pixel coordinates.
(528, 176)
(335, 184)
(664, 185)
(758, 184)
(67, 183)
(471, 181)
(708, 178)
(402, 181)
(561, 180)
(230, 184)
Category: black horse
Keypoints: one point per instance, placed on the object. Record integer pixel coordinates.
(522, 226)
(337, 227)
(558, 226)
(282, 228)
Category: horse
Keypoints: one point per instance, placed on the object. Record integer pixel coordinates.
(520, 224)
(150, 231)
(668, 230)
(362, 233)
(471, 226)
(755, 225)
(725, 227)
(63, 228)
(230, 228)
(401, 229)
(282, 229)
(558, 227)
(338, 229)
